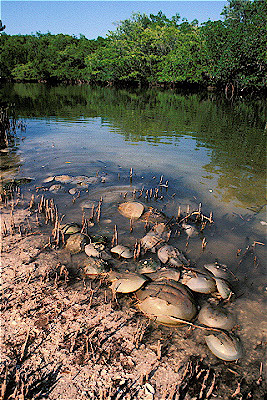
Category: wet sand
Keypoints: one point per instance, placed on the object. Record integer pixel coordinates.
(63, 337)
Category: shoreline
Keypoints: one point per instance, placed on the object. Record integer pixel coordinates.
(65, 338)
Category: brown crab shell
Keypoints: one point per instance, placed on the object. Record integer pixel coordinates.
(167, 302)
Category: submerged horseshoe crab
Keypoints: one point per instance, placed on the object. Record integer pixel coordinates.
(172, 255)
(131, 209)
(157, 235)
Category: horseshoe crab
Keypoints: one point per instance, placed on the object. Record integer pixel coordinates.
(49, 179)
(224, 346)
(131, 209)
(55, 188)
(172, 255)
(198, 282)
(92, 250)
(163, 274)
(166, 302)
(122, 251)
(70, 229)
(147, 266)
(190, 230)
(76, 242)
(153, 216)
(223, 288)
(125, 282)
(157, 235)
(216, 317)
(94, 266)
(63, 178)
(219, 270)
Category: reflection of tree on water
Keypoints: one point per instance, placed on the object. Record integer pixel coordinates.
(9, 141)
(232, 131)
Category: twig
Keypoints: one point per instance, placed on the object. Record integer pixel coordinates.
(23, 349)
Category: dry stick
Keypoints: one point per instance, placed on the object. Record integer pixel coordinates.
(12, 223)
(83, 216)
(137, 250)
(4, 385)
(115, 237)
(40, 205)
(209, 392)
(92, 213)
(99, 209)
(141, 192)
(31, 202)
(159, 346)
(204, 328)
(131, 175)
(131, 225)
(197, 213)
(203, 387)
(259, 381)
(25, 345)
(4, 229)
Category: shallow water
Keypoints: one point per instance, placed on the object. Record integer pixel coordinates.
(210, 150)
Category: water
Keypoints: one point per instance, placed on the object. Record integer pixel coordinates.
(210, 150)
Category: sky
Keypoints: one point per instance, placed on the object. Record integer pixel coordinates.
(94, 18)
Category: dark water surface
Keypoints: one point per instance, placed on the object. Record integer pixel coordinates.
(210, 150)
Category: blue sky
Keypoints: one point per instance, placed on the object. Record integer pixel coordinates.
(94, 18)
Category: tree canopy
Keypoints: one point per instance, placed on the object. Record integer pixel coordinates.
(150, 50)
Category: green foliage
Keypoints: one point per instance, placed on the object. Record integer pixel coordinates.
(150, 50)
(236, 48)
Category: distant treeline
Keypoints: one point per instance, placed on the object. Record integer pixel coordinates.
(151, 50)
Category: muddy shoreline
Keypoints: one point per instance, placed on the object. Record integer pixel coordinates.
(63, 337)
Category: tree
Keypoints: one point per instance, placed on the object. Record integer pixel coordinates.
(236, 47)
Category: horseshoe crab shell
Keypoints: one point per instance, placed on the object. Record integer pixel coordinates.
(122, 251)
(91, 250)
(147, 266)
(70, 229)
(49, 179)
(131, 209)
(216, 317)
(223, 288)
(94, 266)
(157, 235)
(198, 282)
(126, 282)
(166, 302)
(63, 178)
(219, 270)
(190, 230)
(76, 242)
(163, 274)
(224, 346)
(173, 255)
